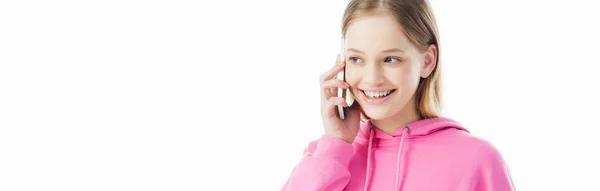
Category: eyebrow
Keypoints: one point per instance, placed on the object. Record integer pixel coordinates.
(384, 51)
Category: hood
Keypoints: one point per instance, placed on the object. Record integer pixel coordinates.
(422, 128)
(415, 129)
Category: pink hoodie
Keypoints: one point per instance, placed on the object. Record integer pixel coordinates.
(431, 154)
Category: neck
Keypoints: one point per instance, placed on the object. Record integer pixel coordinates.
(407, 115)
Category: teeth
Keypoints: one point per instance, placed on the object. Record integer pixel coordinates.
(377, 94)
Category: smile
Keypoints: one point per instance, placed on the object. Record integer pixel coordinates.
(376, 97)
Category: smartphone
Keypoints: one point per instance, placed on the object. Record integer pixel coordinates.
(343, 93)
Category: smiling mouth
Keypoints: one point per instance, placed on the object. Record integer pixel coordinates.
(377, 94)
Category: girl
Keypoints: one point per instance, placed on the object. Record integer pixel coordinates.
(392, 68)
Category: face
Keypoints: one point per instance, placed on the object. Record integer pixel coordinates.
(382, 67)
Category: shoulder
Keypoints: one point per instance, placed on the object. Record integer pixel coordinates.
(488, 156)
(489, 167)
(482, 153)
(484, 149)
(475, 149)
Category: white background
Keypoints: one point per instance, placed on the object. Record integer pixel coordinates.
(223, 95)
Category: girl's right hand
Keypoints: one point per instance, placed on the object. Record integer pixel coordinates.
(346, 129)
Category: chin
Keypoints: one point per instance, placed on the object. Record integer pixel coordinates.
(377, 113)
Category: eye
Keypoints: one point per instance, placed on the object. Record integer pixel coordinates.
(392, 60)
(355, 60)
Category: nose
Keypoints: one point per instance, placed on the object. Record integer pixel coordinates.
(373, 75)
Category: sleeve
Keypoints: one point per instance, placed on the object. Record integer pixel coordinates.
(492, 173)
(324, 166)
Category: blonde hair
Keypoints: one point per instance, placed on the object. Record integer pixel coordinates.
(418, 21)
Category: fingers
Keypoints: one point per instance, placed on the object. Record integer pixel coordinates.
(327, 93)
(329, 88)
(331, 73)
(332, 102)
(335, 83)
(335, 101)
(329, 107)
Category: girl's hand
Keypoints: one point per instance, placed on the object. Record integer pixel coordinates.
(346, 129)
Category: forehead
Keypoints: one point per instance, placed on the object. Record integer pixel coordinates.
(375, 33)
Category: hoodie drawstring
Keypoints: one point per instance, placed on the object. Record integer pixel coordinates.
(369, 158)
(398, 174)
(398, 178)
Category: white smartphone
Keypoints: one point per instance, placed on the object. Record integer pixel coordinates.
(341, 76)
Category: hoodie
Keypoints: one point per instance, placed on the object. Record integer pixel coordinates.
(430, 154)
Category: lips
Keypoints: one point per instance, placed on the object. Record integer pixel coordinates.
(377, 96)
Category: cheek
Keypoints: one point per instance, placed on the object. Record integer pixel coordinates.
(404, 77)
(352, 76)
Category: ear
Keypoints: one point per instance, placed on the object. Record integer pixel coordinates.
(429, 61)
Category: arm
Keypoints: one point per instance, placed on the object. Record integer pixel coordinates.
(324, 166)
